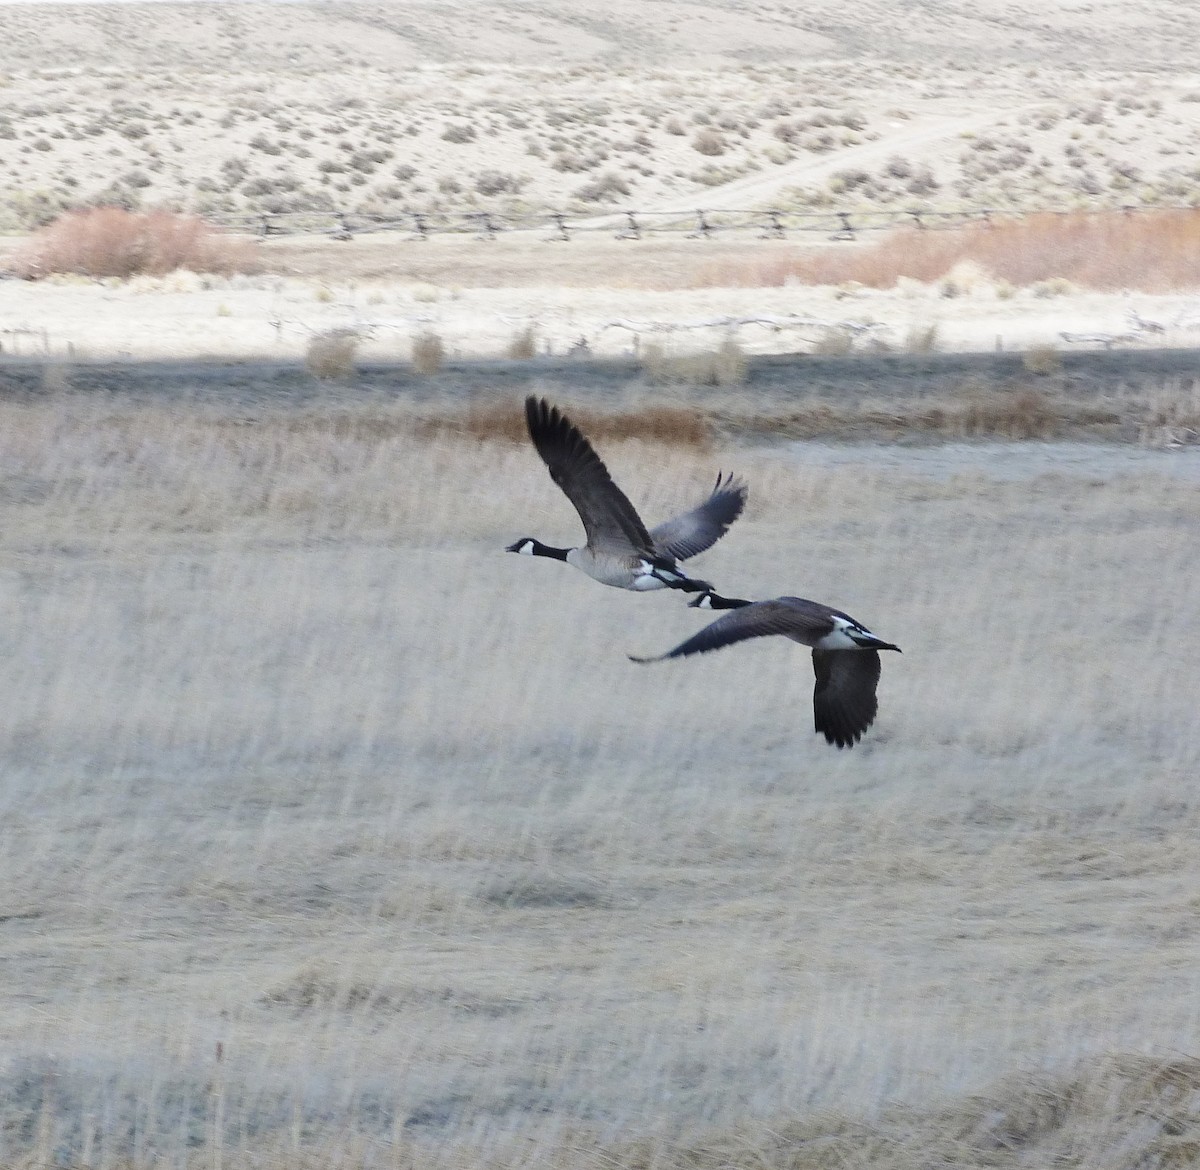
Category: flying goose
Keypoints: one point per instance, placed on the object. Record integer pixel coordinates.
(619, 550)
(845, 654)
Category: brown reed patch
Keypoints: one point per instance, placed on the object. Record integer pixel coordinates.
(671, 426)
(1023, 414)
(112, 242)
(1152, 251)
(976, 411)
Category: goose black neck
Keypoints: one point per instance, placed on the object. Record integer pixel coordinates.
(544, 550)
(716, 601)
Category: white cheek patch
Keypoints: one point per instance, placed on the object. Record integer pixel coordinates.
(839, 637)
(526, 548)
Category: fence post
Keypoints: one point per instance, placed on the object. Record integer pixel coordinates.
(487, 228)
(419, 226)
(344, 232)
(632, 230)
(774, 228)
(846, 231)
(703, 230)
(561, 222)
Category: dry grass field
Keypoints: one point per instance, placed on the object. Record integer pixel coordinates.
(333, 836)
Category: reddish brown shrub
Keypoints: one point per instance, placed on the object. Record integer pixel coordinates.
(109, 241)
(1152, 251)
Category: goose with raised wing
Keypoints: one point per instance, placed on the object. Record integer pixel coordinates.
(845, 654)
(620, 550)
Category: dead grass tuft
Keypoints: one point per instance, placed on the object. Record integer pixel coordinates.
(1153, 250)
(523, 345)
(112, 242)
(1042, 360)
(428, 353)
(921, 339)
(833, 342)
(330, 355)
(727, 365)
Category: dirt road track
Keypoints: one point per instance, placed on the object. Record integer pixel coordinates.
(759, 189)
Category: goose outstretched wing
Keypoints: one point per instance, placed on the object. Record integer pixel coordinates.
(757, 620)
(689, 534)
(609, 519)
(844, 701)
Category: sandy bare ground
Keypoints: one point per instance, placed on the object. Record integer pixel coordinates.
(333, 835)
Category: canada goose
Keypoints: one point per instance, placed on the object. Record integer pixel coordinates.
(845, 654)
(619, 550)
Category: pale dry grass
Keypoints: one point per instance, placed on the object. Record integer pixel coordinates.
(1152, 250)
(332, 835)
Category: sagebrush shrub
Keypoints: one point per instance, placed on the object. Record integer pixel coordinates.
(428, 353)
(330, 355)
(710, 142)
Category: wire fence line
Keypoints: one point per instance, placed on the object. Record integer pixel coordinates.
(561, 226)
(557, 226)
